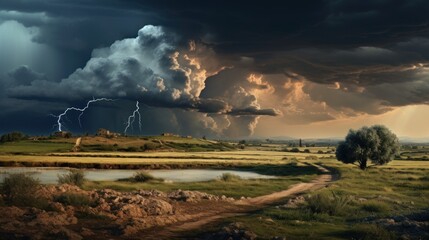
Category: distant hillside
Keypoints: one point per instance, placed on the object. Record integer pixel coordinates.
(113, 144)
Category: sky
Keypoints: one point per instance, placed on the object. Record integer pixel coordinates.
(220, 69)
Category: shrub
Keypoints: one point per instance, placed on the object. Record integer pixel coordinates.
(320, 152)
(74, 177)
(142, 177)
(20, 189)
(149, 146)
(229, 177)
(294, 150)
(74, 199)
(307, 150)
(331, 204)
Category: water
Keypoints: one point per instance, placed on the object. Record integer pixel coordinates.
(50, 175)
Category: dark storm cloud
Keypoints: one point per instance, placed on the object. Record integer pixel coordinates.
(23, 75)
(354, 56)
(150, 68)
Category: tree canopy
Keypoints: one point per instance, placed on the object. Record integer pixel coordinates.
(377, 144)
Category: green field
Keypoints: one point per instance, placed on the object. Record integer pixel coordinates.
(27, 147)
(118, 144)
(399, 188)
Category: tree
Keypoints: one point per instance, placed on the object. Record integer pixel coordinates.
(377, 144)
(12, 137)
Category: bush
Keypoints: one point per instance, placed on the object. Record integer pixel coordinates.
(307, 150)
(229, 177)
(131, 149)
(74, 177)
(149, 146)
(142, 177)
(294, 150)
(331, 204)
(74, 199)
(20, 189)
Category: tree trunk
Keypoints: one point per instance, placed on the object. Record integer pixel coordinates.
(362, 164)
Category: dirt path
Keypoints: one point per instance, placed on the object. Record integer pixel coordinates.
(237, 208)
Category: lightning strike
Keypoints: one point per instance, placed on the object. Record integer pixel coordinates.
(132, 118)
(82, 110)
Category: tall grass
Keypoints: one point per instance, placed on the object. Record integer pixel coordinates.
(74, 199)
(229, 177)
(73, 177)
(375, 206)
(142, 176)
(328, 203)
(20, 189)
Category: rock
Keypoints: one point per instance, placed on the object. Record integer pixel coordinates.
(294, 202)
(57, 206)
(86, 232)
(158, 207)
(234, 231)
(64, 233)
(53, 219)
(152, 193)
(11, 212)
(191, 196)
(131, 211)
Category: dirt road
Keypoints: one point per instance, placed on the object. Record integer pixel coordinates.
(237, 208)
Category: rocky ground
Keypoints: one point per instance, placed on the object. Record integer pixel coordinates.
(101, 214)
(413, 226)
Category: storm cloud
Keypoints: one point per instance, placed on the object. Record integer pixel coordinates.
(223, 65)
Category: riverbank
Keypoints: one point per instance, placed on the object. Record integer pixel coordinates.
(74, 213)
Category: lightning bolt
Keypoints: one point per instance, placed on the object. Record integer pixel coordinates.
(82, 110)
(132, 118)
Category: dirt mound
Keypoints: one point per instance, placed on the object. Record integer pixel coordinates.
(129, 212)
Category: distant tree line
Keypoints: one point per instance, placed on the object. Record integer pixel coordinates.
(12, 137)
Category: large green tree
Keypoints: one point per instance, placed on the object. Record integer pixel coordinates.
(376, 144)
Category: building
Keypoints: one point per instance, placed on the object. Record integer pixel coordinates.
(169, 135)
(106, 133)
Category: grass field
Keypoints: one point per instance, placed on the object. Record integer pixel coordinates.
(235, 189)
(118, 144)
(26, 147)
(399, 188)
